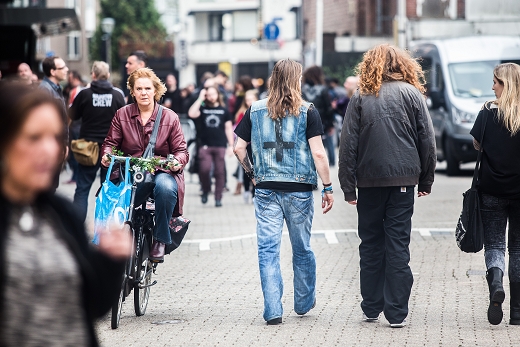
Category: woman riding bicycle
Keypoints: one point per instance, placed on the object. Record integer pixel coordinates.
(130, 133)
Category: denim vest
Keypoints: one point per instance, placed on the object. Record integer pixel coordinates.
(281, 151)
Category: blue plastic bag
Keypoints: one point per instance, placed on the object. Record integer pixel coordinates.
(112, 202)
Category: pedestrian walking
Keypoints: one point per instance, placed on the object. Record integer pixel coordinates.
(136, 60)
(249, 191)
(215, 133)
(285, 134)
(53, 284)
(499, 189)
(315, 91)
(387, 147)
(55, 71)
(95, 107)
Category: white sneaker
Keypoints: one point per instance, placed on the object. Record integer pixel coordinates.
(369, 319)
(398, 325)
(247, 196)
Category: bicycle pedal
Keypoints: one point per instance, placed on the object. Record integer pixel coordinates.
(140, 286)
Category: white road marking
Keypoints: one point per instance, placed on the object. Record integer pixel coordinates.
(330, 236)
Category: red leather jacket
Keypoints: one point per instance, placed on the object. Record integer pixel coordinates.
(128, 135)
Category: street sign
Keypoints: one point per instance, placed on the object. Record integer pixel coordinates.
(269, 44)
(271, 31)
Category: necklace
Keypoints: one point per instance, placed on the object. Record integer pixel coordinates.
(26, 221)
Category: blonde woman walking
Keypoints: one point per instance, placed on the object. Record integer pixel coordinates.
(500, 189)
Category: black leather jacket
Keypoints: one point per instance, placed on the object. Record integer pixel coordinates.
(387, 141)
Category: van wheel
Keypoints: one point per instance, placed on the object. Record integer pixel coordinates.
(452, 164)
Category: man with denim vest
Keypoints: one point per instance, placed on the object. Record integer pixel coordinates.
(285, 135)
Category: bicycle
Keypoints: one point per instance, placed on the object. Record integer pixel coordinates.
(138, 269)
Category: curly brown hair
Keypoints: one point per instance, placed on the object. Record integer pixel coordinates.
(285, 90)
(145, 72)
(385, 63)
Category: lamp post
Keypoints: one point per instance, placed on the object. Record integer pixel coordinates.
(107, 25)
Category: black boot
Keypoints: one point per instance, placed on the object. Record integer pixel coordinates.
(496, 295)
(514, 289)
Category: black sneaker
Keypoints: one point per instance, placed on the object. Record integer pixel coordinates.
(302, 313)
(204, 198)
(275, 321)
(218, 203)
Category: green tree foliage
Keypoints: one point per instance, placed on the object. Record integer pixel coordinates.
(138, 26)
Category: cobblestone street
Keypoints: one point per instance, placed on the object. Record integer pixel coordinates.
(208, 291)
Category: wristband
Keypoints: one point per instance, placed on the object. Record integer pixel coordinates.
(327, 190)
(327, 185)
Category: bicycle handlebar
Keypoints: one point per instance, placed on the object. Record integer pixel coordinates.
(119, 158)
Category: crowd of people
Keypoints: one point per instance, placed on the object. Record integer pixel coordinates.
(284, 139)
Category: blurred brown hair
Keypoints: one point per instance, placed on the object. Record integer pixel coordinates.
(16, 103)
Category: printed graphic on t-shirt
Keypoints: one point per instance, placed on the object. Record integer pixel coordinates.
(212, 121)
(102, 100)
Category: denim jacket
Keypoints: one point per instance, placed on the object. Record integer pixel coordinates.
(281, 151)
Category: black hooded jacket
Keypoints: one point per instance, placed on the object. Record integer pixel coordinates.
(96, 106)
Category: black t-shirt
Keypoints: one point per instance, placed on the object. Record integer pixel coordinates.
(212, 126)
(500, 167)
(314, 128)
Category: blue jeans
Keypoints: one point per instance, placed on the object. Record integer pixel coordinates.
(165, 195)
(328, 143)
(86, 175)
(297, 209)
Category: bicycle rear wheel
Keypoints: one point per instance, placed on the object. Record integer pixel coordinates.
(144, 270)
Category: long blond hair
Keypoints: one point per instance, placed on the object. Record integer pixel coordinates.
(285, 90)
(508, 75)
(388, 63)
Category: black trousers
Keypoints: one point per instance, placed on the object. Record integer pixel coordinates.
(384, 227)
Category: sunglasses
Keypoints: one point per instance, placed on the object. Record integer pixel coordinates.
(61, 68)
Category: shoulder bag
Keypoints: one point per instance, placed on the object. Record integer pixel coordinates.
(85, 152)
(469, 232)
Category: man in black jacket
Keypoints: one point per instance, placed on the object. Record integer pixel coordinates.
(95, 106)
(387, 147)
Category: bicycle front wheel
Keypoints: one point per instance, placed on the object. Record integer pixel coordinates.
(143, 272)
(117, 307)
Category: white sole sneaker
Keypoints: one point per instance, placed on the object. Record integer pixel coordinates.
(368, 319)
(399, 325)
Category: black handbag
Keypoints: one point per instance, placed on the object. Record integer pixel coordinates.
(178, 227)
(469, 232)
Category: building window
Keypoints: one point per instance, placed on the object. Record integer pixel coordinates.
(216, 28)
(75, 4)
(73, 45)
(245, 25)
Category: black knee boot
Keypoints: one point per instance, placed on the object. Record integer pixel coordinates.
(514, 289)
(496, 295)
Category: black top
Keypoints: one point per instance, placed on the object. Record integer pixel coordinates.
(212, 126)
(96, 106)
(177, 103)
(314, 128)
(500, 167)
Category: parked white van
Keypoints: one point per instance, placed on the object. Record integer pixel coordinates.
(459, 75)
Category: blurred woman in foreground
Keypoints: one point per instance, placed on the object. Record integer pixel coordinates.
(52, 283)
